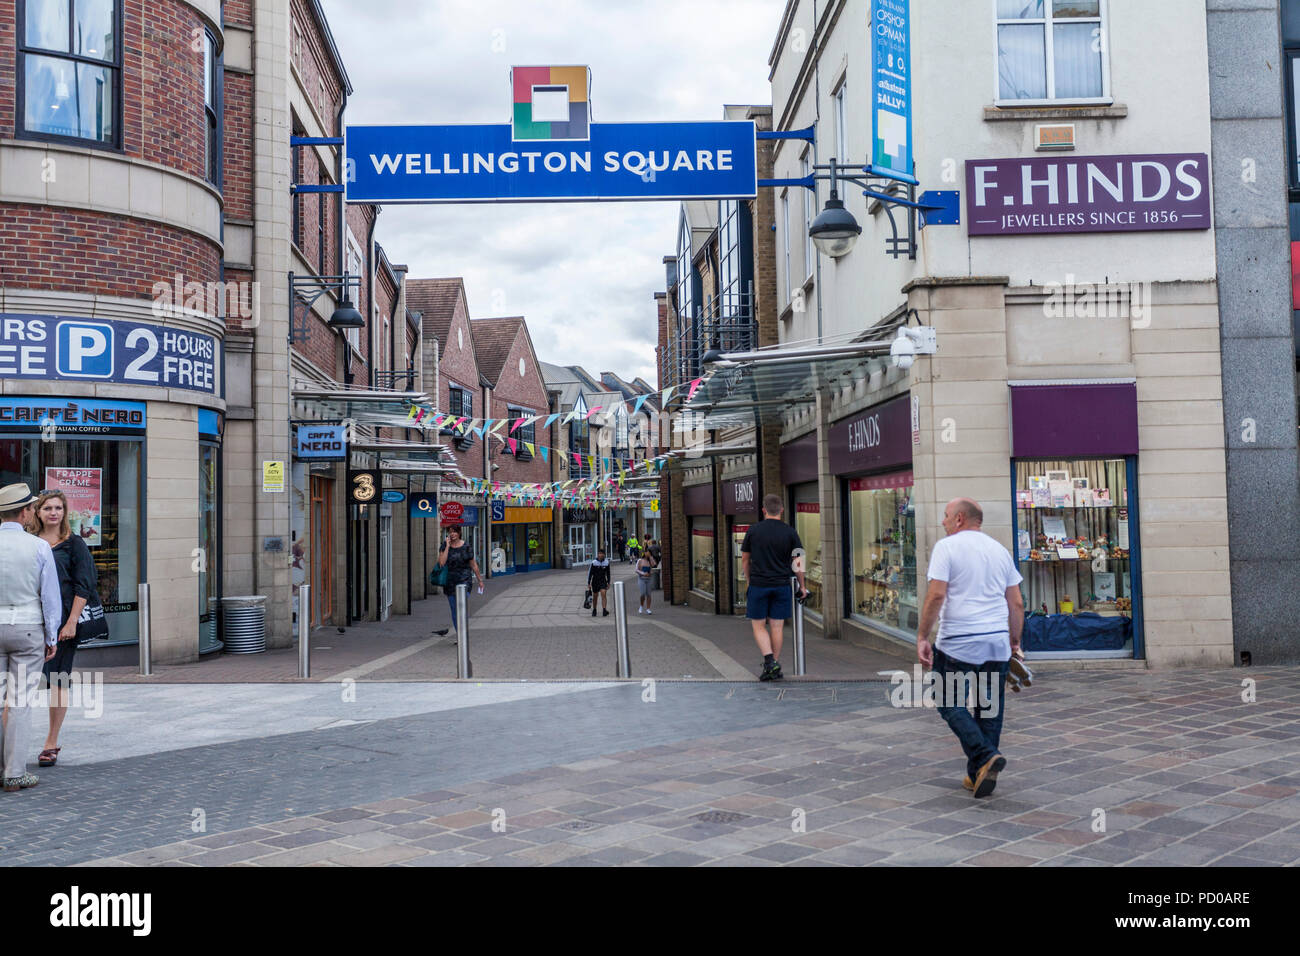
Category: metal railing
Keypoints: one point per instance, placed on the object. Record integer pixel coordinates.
(397, 381)
(726, 323)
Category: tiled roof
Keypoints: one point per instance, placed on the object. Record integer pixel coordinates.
(492, 341)
(436, 298)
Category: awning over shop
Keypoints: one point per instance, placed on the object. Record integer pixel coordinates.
(761, 386)
(382, 409)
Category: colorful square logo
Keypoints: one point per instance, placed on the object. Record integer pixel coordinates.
(550, 102)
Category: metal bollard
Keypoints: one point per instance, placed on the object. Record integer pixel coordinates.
(304, 630)
(464, 670)
(146, 647)
(620, 631)
(800, 663)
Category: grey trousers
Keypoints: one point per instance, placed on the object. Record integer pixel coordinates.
(22, 653)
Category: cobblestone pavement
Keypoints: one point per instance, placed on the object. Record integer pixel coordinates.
(533, 626)
(1104, 768)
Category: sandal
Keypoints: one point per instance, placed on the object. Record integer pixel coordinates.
(49, 757)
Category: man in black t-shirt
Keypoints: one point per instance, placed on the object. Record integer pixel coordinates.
(770, 553)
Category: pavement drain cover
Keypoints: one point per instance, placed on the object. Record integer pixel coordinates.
(718, 816)
(578, 825)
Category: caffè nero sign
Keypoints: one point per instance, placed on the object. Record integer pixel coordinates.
(1134, 193)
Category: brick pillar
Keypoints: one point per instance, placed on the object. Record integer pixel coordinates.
(680, 540)
(832, 541)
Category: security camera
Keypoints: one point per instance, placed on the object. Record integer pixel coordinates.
(902, 351)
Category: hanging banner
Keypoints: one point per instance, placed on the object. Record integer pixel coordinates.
(82, 487)
(891, 86)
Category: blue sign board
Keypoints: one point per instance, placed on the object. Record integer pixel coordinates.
(891, 86)
(620, 161)
(52, 347)
(322, 443)
(498, 511)
(469, 517)
(394, 496)
(424, 504)
(82, 416)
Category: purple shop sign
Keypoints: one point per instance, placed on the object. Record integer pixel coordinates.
(740, 496)
(879, 437)
(1054, 194)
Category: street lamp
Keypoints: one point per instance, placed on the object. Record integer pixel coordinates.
(834, 231)
(346, 316)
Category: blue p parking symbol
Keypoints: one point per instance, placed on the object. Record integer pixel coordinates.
(85, 350)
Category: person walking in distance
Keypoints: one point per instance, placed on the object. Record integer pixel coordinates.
(31, 611)
(767, 558)
(644, 575)
(458, 556)
(974, 596)
(598, 581)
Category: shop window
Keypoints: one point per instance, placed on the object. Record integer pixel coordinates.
(1051, 51)
(808, 525)
(539, 544)
(702, 556)
(209, 544)
(739, 585)
(882, 557)
(69, 74)
(1075, 532)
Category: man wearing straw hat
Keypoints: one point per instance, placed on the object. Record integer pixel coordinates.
(30, 612)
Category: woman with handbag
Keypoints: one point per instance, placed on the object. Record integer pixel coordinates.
(78, 587)
(457, 557)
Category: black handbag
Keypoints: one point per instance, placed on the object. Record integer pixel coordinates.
(92, 625)
(586, 600)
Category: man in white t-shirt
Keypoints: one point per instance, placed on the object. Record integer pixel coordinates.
(974, 594)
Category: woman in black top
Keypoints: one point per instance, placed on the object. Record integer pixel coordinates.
(77, 586)
(461, 568)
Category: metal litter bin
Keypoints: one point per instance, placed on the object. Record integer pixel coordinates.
(243, 624)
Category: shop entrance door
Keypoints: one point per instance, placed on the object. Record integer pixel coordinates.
(385, 566)
(322, 551)
(578, 543)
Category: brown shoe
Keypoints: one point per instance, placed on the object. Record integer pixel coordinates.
(1019, 672)
(987, 778)
(968, 783)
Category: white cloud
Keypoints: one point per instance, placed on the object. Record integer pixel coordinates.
(583, 275)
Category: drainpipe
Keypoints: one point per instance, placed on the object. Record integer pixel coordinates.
(370, 297)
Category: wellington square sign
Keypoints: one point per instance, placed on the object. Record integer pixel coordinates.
(551, 151)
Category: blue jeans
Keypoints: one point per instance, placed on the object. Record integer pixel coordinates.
(980, 732)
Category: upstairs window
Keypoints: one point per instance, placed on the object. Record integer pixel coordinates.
(212, 109)
(69, 70)
(1051, 51)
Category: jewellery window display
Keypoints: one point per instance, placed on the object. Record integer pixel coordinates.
(882, 528)
(739, 586)
(1073, 535)
(702, 555)
(808, 525)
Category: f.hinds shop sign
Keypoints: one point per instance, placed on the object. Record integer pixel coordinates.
(1137, 193)
(880, 437)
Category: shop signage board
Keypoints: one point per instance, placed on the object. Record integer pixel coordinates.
(451, 511)
(364, 485)
(740, 496)
(1059, 194)
(71, 348)
(393, 496)
(322, 443)
(83, 489)
(272, 477)
(579, 515)
(891, 86)
(498, 511)
(424, 504)
(78, 416)
(879, 437)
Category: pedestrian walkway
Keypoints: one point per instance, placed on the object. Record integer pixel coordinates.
(1104, 768)
(533, 627)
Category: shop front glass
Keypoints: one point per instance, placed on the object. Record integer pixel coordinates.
(739, 586)
(539, 544)
(882, 555)
(702, 557)
(503, 549)
(101, 479)
(808, 525)
(209, 543)
(1075, 533)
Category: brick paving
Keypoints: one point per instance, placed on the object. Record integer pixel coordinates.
(1104, 768)
(532, 626)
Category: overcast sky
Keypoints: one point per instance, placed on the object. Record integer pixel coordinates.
(582, 274)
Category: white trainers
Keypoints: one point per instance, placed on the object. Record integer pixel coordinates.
(640, 610)
(648, 611)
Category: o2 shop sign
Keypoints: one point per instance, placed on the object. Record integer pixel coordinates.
(54, 347)
(1136, 193)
